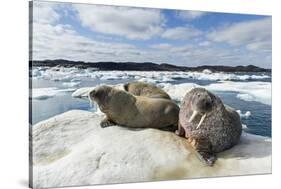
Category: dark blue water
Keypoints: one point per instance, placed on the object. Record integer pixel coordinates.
(258, 123)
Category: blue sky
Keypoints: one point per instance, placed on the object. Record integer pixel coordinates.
(109, 33)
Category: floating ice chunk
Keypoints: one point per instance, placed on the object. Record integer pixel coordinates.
(244, 127)
(256, 91)
(71, 84)
(36, 73)
(246, 115)
(245, 97)
(109, 78)
(207, 71)
(75, 80)
(177, 92)
(82, 92)
(148, 80)
(45, 93)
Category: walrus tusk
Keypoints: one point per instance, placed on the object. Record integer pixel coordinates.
(93, 104)
(201, 121)
(193, 116)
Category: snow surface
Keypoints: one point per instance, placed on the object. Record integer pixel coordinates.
(72, 149)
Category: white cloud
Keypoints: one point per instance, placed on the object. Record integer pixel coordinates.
(44, 12)
(161, 46)
(181, 33)
(133, 23)
(62, 42)
(52, 40)
(254, 35)
(204, 43)
(190, 15)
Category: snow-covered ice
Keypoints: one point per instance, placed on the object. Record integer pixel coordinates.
(67, 74)
(255, 91)
(49, 92)
(72, 149)
(71, 84)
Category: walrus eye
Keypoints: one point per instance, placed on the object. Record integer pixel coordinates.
(92, 93)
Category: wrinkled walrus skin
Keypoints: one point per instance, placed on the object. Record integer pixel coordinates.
(208, 124)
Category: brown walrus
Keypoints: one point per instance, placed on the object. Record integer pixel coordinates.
(208, 124)
(138, 88)
(124, 109)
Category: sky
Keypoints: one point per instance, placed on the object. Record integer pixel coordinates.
(93, 33)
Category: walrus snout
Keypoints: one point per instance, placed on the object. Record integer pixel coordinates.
(202, 104)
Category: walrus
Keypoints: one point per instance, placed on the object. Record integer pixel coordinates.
(138, 88)
(124, 109)
(208, 124)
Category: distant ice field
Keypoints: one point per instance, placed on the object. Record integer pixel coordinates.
(248, 93)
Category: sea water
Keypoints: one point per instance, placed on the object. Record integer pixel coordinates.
(51, 91)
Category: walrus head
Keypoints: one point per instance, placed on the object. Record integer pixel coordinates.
(201, 104)
(109, 98)
(100, 95)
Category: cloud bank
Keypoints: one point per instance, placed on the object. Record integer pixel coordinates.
(145, 35)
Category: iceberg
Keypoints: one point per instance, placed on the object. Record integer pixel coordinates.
(71, 149)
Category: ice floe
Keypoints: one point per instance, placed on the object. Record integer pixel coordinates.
(67, 74)
(254, 91)
(83, 92)
(71, 84)
(246, 115)
(83, 153)
(45, 93)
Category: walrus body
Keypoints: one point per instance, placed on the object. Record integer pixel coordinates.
(124, 109)
(209, 125)
(144, 89)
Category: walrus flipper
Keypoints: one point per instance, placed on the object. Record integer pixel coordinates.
(203, 148)
(106, 123)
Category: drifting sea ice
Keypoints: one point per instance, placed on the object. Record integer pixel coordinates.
(246, 115)
(67, 74)
(45, 93)
(71, 84)
(255, 91)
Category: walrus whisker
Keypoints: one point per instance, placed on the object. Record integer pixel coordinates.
(201, 121)
(194, 114)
